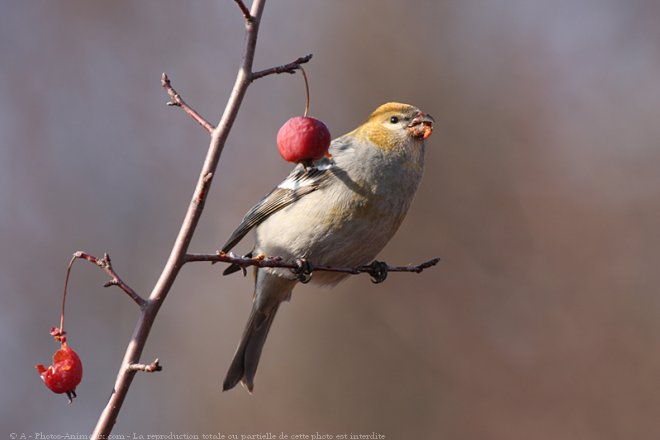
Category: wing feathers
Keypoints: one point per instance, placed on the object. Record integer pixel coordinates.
(298, 184)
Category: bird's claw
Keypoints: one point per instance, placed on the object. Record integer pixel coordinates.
(235, 267)
(303, 271)
(378, 271)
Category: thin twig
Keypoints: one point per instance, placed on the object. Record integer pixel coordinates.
(246, 12)
(285, 68)
(105, 264)
(147, 368)
(177, 257)
(177, 101)
(263, 261)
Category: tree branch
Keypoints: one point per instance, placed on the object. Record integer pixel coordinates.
(306, 266)
(246, 12)
(105, 264)
(177, 101)
(285, 68)
(177, 256)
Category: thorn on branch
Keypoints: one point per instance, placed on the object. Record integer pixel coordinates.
(246, 12)
(147, 368)
(177, 101)
(285, 68)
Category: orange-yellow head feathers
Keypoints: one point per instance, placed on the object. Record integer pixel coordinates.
(394, 125)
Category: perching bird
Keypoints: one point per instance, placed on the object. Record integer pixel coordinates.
(340, 212)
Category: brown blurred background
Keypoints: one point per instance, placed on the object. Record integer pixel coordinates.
(541, 196)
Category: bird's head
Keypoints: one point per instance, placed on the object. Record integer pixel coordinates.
(395, 125)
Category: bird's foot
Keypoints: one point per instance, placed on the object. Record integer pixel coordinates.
(378, 271)
(235, 267)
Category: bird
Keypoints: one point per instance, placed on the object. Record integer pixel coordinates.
(340, 211)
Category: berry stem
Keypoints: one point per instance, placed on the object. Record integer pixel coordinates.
(66, 284)
(306, 91)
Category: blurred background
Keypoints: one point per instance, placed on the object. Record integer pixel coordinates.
(541, 195)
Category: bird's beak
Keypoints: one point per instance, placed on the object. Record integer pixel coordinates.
(421, 126)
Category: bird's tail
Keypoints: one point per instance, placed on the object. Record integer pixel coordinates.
(271, 291)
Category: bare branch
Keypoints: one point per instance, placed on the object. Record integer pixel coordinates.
(177, 101)
(147, 368)
(105, 264)
(378, 270)
(285, 68)
(177, 255)
(246, 12)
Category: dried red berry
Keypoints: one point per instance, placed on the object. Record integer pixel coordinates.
(422, 131)
(64, 375)
(303, 139)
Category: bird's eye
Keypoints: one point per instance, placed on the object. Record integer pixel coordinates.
(394, 119)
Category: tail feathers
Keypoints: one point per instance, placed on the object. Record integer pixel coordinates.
(246, 359)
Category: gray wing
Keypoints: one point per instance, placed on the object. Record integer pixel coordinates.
(298, 184)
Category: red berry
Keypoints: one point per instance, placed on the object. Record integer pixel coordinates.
(303, 139)
(65, 374)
